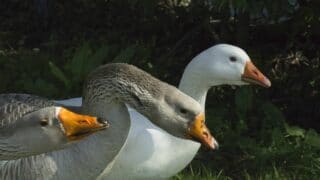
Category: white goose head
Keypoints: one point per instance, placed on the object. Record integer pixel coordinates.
(226, 64)
(218, 65)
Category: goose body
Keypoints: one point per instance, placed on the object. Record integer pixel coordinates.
(151, 152)
(107, 91)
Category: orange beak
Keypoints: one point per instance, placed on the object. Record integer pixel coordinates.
(199, 131)
(77, 126)
(253, 75)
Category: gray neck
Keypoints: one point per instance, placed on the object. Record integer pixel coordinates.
(114, 138)
(8, 148)
(122, 84)
(112, 111)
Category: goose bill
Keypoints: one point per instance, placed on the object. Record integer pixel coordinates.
(77, 126)
(199, 131)
(253, 75)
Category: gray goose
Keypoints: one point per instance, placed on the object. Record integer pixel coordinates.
(31, 125)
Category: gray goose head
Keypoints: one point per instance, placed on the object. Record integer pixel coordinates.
(161, 103)
(44, 130)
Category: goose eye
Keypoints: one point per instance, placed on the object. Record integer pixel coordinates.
(183, 111)
(44, 122)
(233, 59)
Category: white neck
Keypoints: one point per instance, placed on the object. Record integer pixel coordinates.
(192, 84)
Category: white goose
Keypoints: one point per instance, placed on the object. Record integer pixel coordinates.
(151, 152)
(107, 90)
(31, 125)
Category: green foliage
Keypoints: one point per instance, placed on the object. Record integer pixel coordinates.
(74, 71)
(125, 55)
(19, 74)
(56, 71)
(244, 100)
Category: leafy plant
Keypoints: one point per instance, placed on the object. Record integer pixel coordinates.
(84, 60)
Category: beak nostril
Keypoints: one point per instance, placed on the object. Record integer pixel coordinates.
(100, 120)
(205, 134)
(83, 121)
(103, 122)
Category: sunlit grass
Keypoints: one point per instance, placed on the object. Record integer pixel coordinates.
(274, 173)
(200, 173)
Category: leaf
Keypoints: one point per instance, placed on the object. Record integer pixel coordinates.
(44, 87)
(56, 71)
(125, 55)
(295, 131)
(292, 2)
(79, 61)
(243, 100)
(277, 137)
(275, 171)
(240, 4)
(272, 113)
(312, 138)
(84, 60)
(98, 57)
(222, 4)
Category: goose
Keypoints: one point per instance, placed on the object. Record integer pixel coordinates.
(218, 65)
(30, 125)
(107, 92)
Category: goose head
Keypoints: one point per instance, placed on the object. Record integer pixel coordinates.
(46, 129)
(181, 116)
(225, 64)
(163, 104)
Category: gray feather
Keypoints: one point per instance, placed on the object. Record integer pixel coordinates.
(14, 106)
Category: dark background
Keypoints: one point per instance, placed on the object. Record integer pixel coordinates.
(47, 48)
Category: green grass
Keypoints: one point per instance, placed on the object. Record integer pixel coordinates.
(200, 173)
(301, 170)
